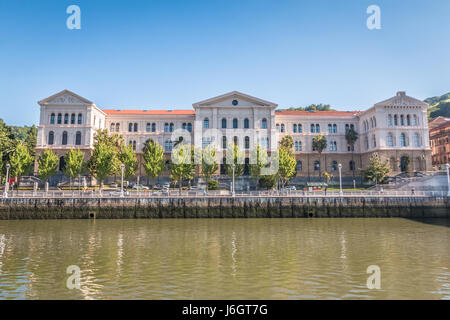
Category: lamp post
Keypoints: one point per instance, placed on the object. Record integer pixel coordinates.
(232, 185)
(340, 180)
(448, 179)
(5, 193)
(122, 166)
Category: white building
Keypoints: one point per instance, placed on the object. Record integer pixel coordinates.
(394, 130)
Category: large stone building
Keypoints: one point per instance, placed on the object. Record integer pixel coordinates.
(394, 130)
(440, 141)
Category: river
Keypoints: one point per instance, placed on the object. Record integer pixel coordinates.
(225, 258)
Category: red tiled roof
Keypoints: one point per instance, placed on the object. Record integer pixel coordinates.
(149, 112)
(317, 113)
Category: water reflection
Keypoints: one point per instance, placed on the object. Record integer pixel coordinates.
(224, 259)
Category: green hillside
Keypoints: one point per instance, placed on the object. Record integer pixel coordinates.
(439, 106)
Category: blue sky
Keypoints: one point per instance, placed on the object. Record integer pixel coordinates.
(170, 54)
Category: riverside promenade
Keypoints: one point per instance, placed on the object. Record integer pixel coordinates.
(77, 205)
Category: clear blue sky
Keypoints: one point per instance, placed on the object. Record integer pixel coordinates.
(170, 54)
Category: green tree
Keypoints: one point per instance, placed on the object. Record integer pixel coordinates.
(377, 171)
(128, 157)
(287, 142)
(319, 143)
(74, 163)
(258, 161)
(327, 176)
(48, 164)
(209, 163)
(286, 166)
(352, 136)
(153, 155)
(21, 161)
(182, 165)
(268, 181)
(236, 156)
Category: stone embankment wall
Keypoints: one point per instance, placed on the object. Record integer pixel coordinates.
(245, 207)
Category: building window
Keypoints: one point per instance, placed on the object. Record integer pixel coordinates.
(300, 128)
(351, 165)
(298, 146)
(224, 142)
(332, 146)
(374, 141)
(235, 123)
(51, 137)
(402, 140)
(130, 127)
(66, 118)
(312, 144)
(390, 120)
(316, 165)
(235, 140)
(417, 140)
(166, 127)
(282, 127)
(206, 141)
(247, 143)
(330, 129)
(168, 146)
(299, 166)
(117, 127)
(134, 145)
(414, 120)
(264, 123)
(59, 118)
(408, 120)
(148, 127)
(294, 128)
(171, 127)
(189, 127)
(206, 123)
(72, 118)
(64, 138)
(80, 118)
(390, 140)
(366, 142)
(246, 123)
(224, 123)
(52, 118)
(112, 127)
(135, 127)
(402, 120)
(183, 126)
(312, 128)
(78, 138)
(334, 166)
(317, 128)
(395, 120)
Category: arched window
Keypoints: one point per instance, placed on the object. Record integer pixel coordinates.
(66, 118)
(62, 164)
(294, 128)
(130, 127)
(299, 166)
(247, 143)
(395, 120)
(183, 126)
(78, 138)
(224, 123)
(296, 145)
(390, 120)
(166, 127)
(312, 128)
(402, 140)
(351, 165)
(235, 123)
(332, 145)
(168, 146)
(408, 120)
(334, 166)
(224, 142)
(374, 122)
(113, 127)
(134, 145)
(415, 120)
(135, 127)
(402, 120)
(366, 142)
(282, 127)
(206, 123)
(374, 141)
(300, 128)
(64, 138)
(72, 118)
(171, 127)
(371, 122)
(52, 118)
(330, 128)
(246, 123)
(59, 118)
(235, 140)
(117, 127)
(334, 128)
(416, 140)
(189, 127)
(80, 118)
(153, 127)
(264, 123)
(317, 128)
(51, 137)
(148, 127)
(316, 165)
(390, 140)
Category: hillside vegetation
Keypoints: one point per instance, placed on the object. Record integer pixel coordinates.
(439, 106)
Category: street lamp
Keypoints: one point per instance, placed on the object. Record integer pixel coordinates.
(448, 179)
(122, 166)
(232, 185)
(5, 193)
(340, 180)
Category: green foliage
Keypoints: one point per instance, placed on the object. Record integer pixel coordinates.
(319, 143)
(182, 165)
(258, 160)
(128, 158)
(287, 143)
(327, 176)
(236, 156)
(313, 108)
(48, 164)
(439, 106)
(74, 163)
(209, 163)
(213, 185)
(153, 155)
(286, 166)
(377, 171)
(21, 160)
(267, 182)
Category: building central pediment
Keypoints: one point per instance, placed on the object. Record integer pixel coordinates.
(65, 97)
(235, 99)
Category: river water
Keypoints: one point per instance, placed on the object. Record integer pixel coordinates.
(225, 258)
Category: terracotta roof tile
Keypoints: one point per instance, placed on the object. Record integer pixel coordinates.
(317, 113)
(149, 112)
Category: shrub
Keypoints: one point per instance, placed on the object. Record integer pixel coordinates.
(213, 185)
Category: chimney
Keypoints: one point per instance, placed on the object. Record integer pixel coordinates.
(401, 94)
